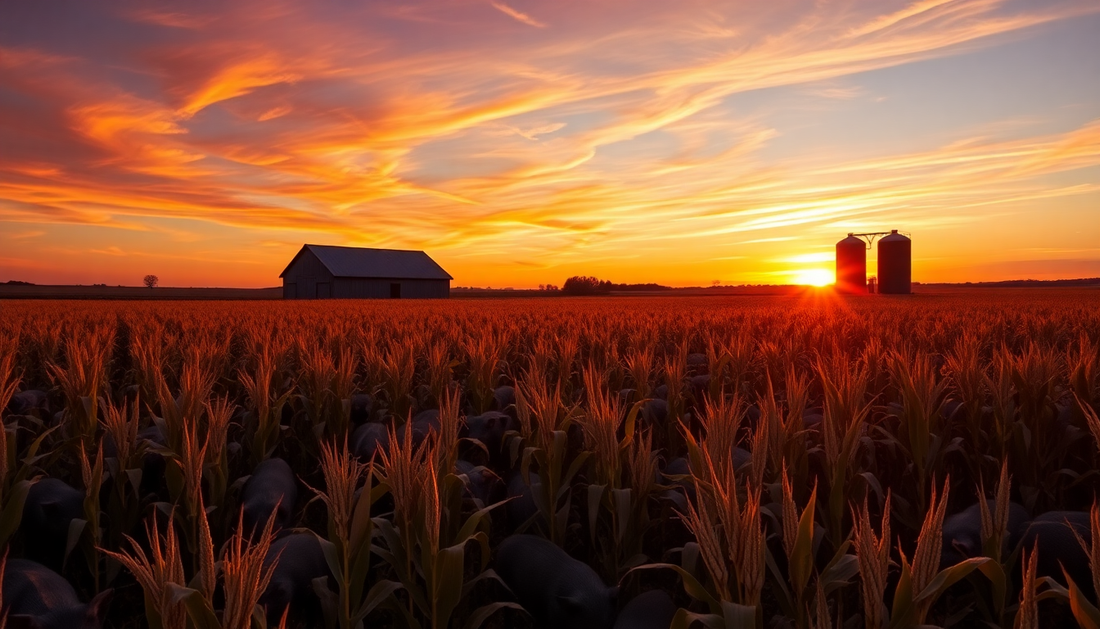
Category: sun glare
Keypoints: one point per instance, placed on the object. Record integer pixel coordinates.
(813, 277)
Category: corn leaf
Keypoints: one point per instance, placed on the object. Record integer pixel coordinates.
(840, 570)
(1084, 612)
(684, 619)
(76, 531)
(13, 510)
(802, 556)
(449, 567)
(595, 496)
(378, 594)
(692, 586)
(198, 608)
(631, 420)
(738, 616)
(621, 498)
(950, 576)
(902, 608)
(481, 614)
(995, 572)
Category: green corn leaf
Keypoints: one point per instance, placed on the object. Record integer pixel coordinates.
(486, 575)
(786, 601)
(840, 572)
(332, 558)
(31, 457)
(481, 614)
(12, 514)
(396, 547)
(525, 463)
(1054, 590)
(737, 616)
(561, 518)
(330, 601)
(198, 608)
(134, 476)
(902, 607)
(631, 420)
(685, 619)
(449, 569)
(994, 571)
(1084, 612)
(383, 553)
(802, 555)
(359, 570)
(361, 525)
(949, 576)
(89, 405)
(692, 586)
(595, 495)
(378, 594)
(574, 467)
(471, 524)
(689, 556)
(557, 451)
(623, 504)
(76, 531)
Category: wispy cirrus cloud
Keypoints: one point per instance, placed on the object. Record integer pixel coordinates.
(518, 16)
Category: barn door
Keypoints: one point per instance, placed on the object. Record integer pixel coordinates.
(324, 290)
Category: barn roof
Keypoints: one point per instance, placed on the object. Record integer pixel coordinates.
(378, 263)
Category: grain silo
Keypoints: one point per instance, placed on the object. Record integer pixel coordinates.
(851, 265)
(895, 264)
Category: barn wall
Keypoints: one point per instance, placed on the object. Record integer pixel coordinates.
(307, 278)
(362, 288)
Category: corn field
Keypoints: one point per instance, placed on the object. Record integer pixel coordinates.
(765, 461)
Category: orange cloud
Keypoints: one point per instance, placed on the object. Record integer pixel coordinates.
(517, 15)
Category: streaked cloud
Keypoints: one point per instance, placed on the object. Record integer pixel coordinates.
(518, 16)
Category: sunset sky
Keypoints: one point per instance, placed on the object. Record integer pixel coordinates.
(525, 141)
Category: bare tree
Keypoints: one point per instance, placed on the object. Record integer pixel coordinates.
(150, 281)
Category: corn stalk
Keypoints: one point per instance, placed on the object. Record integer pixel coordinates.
(921, 582)
(348, 497)
(430, 565)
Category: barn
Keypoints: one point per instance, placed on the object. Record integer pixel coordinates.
(324, 272)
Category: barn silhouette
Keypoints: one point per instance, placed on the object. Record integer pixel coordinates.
(330, 272)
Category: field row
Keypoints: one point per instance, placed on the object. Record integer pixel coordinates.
(796, 461)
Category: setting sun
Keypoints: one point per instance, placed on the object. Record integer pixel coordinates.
(812, 277)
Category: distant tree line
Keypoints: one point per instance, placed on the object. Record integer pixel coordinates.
(587, 285)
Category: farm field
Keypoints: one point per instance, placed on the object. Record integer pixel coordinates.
(804, 461)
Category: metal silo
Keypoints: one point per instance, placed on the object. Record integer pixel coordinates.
(851, 265)
(895, 264)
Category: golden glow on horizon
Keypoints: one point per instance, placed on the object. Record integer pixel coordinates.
(520, 143)
(813, 277)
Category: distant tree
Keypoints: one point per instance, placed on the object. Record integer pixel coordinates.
(585, 285)
(150, 281)
(716, 283)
